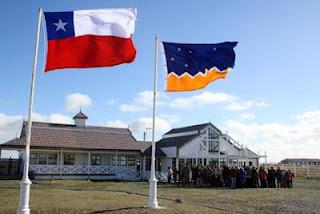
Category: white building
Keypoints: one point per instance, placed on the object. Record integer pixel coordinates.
(79, 151)
(203, 144)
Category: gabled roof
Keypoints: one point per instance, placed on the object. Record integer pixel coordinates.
(148, 149)
(198, 128)
(175, 141)
(80, 115)
(49, 135)
(188, 128)
(251, 153)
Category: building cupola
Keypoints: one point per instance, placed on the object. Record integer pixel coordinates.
(80, 120)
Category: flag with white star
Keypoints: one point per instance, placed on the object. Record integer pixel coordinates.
(194, 66)
(90, 38)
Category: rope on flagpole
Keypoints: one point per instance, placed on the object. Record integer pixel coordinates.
(25, 182)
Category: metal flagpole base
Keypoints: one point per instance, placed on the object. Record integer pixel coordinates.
(24, 196)
(153, 203)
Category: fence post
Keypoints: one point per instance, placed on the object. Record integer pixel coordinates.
(295, 169)
(308, 170)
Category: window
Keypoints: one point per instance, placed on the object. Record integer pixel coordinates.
(199, 161)
(148, 164)
(53, 158)
(114, 160)
(204, 133)
(43, 159)
(173, 163)
(33, 158)
(212, 134)
(213, 146)
(138, 164)
(203, 145)
(123, 160)
(131, 161)
(204, 162)
(95, 159)
(68, 159)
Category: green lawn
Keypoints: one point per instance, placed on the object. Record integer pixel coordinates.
(131, 197)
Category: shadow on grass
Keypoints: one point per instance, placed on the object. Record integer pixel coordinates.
(115, 210)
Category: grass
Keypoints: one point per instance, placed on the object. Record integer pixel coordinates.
(131, 197)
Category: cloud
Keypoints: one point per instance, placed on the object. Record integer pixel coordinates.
(247, 116)
(73, 102)
(139, 126)
(206, 98)
(9, 127)
(143, 101)
(117, 124)
(131, 108)
(298, 140)
(53, 118)
(245, 105)
(111, 102)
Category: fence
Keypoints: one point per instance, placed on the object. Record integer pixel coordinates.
(306, 171)
(10, 168)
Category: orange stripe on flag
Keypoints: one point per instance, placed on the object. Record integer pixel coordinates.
(188, 83)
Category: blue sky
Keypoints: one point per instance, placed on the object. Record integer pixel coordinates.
(270, 101)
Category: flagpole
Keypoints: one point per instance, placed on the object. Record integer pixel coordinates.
(25, 182)
(153, 202)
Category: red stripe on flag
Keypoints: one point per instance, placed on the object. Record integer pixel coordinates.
(89, 51)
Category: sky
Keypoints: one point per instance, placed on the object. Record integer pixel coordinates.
(270, 102)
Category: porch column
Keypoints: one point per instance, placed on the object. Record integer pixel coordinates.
(89, 163)
(116, 163)
(177, 158)
(61, 160)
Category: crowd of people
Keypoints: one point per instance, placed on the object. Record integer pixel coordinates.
(233, 177)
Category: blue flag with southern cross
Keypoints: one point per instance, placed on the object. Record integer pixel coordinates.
(194, 66)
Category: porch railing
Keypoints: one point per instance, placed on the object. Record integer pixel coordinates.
(120, 172)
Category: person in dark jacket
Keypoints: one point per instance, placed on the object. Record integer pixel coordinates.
(271, 178)
(242, 178)
(278, 177)
(254, 178)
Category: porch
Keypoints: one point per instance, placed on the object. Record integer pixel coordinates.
(68, 164)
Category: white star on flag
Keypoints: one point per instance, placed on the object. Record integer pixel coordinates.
(60, 25)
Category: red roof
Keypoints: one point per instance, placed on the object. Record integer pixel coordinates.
(51, 135)
(80, 115)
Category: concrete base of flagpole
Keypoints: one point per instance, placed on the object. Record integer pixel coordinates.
(153, 202)
(24, 196)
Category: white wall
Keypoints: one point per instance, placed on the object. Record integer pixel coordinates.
(171, 152)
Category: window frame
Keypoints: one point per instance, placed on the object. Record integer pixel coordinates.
(123, 160)
(95, 160)
(69, 159)
(44, 158)
(32, 158)
(55, 162)
(213, 145)
(131, 160)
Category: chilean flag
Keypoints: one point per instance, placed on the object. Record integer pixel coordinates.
(90, 38)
